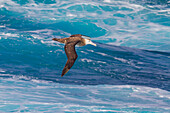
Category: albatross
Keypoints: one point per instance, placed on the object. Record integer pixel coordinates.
(70, 43)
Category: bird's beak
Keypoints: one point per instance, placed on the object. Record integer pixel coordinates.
(93, 43)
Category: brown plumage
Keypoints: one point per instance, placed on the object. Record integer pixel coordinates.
(70, 49)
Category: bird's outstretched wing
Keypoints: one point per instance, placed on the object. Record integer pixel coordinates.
(71, 55)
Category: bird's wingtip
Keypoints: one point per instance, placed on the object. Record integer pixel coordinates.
(62, 75)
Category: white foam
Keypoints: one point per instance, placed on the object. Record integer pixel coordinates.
(103, 110)
(92, 61)
(2, 26)
(103, 54)
(53, 18)
(9, 35)
(100, 98)
(84, 52)
(108, 1)
(87, 60)
(129, 26)
(40, 81)
(1, 6)
(71, 15)
(36, 36)
(121, 59)
(126, 61)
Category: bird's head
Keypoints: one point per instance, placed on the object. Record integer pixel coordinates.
(88, 41)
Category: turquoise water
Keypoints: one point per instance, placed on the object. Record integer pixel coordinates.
(128, 71)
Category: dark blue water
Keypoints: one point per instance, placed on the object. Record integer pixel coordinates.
(128, 70)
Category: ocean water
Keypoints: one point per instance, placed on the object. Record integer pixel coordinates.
(127, 72)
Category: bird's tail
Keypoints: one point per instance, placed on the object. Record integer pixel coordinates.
(56, 39)
(62, 40)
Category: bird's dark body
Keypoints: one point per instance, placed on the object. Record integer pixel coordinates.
(70, 50)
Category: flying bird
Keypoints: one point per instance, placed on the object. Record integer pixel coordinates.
(70, 42)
